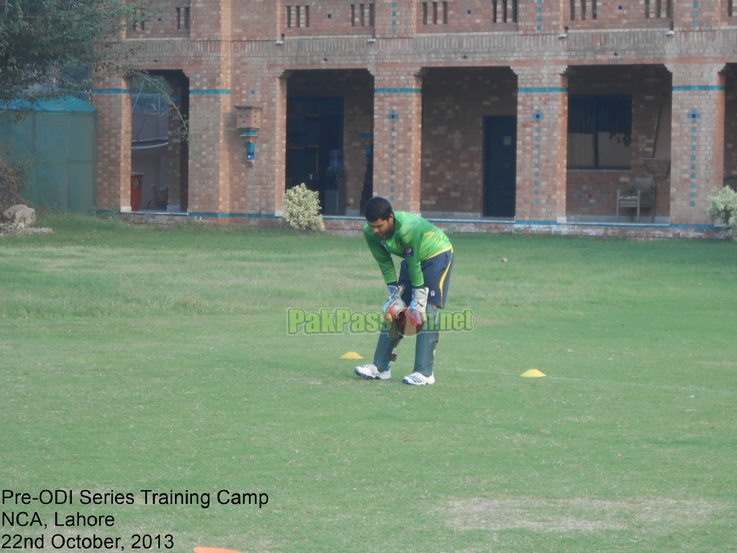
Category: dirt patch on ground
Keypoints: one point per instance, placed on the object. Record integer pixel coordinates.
(581, 515)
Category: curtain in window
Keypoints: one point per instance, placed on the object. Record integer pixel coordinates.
(599, 131)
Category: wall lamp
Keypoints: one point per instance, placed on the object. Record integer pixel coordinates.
(248, 122)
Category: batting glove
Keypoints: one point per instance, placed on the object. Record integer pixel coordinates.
(394, 306)
(418, 306)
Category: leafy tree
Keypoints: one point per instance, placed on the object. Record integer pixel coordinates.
(42, 41)
(47, 43)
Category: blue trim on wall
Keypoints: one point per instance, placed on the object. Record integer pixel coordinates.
(696, 227)
(526, 90)
(210, 91)
(234, 215)
(696, 88)
(398, 91)
(433, 220)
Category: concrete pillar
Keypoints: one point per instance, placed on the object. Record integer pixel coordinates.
(398, 136)
(697, 143)
(542, 140)
(112, 99)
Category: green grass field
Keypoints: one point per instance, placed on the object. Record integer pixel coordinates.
(138, 358)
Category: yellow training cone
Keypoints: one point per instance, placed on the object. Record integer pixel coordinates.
(532, 373)
(350, 355)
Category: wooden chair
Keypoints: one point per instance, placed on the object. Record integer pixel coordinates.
(641, 195)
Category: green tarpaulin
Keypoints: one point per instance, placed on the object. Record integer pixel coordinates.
(58, 136)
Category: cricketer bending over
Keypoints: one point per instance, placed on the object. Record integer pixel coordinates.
(427, 260)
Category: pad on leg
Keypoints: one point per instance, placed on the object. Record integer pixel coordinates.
(384, 348)
(425, 346)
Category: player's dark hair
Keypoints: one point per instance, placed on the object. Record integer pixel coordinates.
(378, 208)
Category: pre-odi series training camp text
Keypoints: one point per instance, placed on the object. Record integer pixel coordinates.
(58, 519)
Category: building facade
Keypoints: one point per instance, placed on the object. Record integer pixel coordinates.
(489, 112)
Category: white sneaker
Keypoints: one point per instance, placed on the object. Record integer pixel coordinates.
(370, 372)
(418, 379)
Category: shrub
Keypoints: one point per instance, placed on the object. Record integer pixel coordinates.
(302, 209)
(724, 207)
(12, 182)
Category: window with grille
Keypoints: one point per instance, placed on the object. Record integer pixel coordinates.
(298, 16)
(581, 10)
(182, 18)
(504, 11)
(362, 15)
(658, 9)
(435, 13)
(599, 131)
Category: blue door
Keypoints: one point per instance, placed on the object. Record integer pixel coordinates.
(500, 165)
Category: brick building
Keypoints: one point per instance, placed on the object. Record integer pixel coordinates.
(490, 112)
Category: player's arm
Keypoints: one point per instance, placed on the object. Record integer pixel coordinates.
(412, 237)
(382, 257)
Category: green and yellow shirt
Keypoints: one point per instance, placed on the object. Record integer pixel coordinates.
(415, 239)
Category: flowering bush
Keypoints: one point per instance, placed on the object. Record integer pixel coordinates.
(302, 209)
(724, 207)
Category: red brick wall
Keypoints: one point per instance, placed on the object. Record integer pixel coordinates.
(257, 20)
(326, 18)
(211, 20)
(455, 102)
(356, 88)
(541, 17)
(231, 50)
(333, 17)
(209, 113)
(542, 110)
(113, 103)
(698, 139)
(692, 15)
(395, 18)
(594, 192)
(160, 21)
(398, 136)
(619, 14)
(466, 16)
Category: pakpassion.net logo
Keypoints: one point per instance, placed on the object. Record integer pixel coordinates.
(343, 320)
